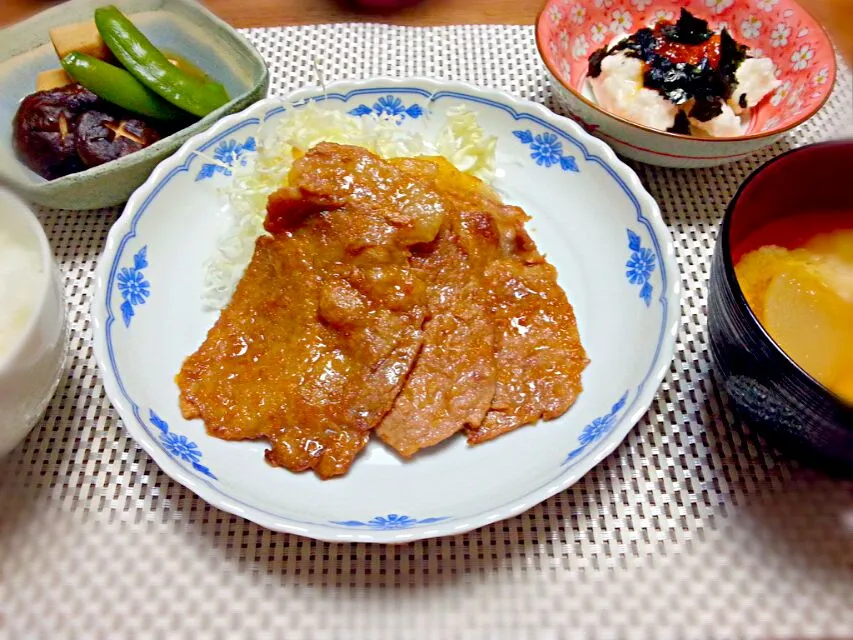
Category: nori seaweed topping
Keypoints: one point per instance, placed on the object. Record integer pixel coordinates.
(595, 61)
(680, 82)
(732, 55)
(704, 110)
(688, 30)
(681, 124)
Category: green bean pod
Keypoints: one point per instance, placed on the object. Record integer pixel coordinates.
(151, 67)
(116, 85)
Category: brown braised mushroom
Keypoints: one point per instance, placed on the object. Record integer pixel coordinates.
(102, 138)
(45, 128)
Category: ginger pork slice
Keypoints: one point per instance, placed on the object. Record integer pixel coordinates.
(540, 358)
(326, 322)
(538, 355)
(452, 382)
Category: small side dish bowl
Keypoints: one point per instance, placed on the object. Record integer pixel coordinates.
(32, 361)
(568, 31)
(769, 389)
(183, 27)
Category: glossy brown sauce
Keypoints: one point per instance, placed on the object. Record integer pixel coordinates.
(399, 296)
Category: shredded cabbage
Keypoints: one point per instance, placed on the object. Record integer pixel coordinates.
(461, 140)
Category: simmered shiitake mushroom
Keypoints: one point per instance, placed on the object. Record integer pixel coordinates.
(102, 138)
(45, 129)
(70, 129)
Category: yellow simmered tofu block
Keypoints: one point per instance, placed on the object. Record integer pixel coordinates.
(82, 37)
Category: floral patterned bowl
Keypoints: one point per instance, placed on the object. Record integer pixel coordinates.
(568, 31)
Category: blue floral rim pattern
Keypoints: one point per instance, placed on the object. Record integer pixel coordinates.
(597, 429)
(389, 106)
(179, 446)
(237, 152)
(391, 521)
(228, 154)
(640, 267)
(133, 286)
(547, 150)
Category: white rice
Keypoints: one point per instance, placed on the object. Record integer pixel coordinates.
(21, 277)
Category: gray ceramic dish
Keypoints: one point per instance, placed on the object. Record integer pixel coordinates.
(180, 26)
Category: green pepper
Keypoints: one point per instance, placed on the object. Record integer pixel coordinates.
(153, 69)
(116, 85)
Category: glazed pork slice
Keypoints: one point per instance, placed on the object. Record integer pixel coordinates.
(538, 356)
(453, 380)
(501, 346)
(326, 322)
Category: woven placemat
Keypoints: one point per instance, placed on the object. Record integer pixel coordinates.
(693, 528)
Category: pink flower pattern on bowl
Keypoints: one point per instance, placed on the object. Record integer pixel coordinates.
(778, 29)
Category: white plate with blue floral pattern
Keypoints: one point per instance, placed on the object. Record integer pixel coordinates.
(590, 215)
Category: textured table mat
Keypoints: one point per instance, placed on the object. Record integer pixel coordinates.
(693, 528)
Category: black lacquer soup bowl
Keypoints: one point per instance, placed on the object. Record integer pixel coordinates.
(768, 389)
